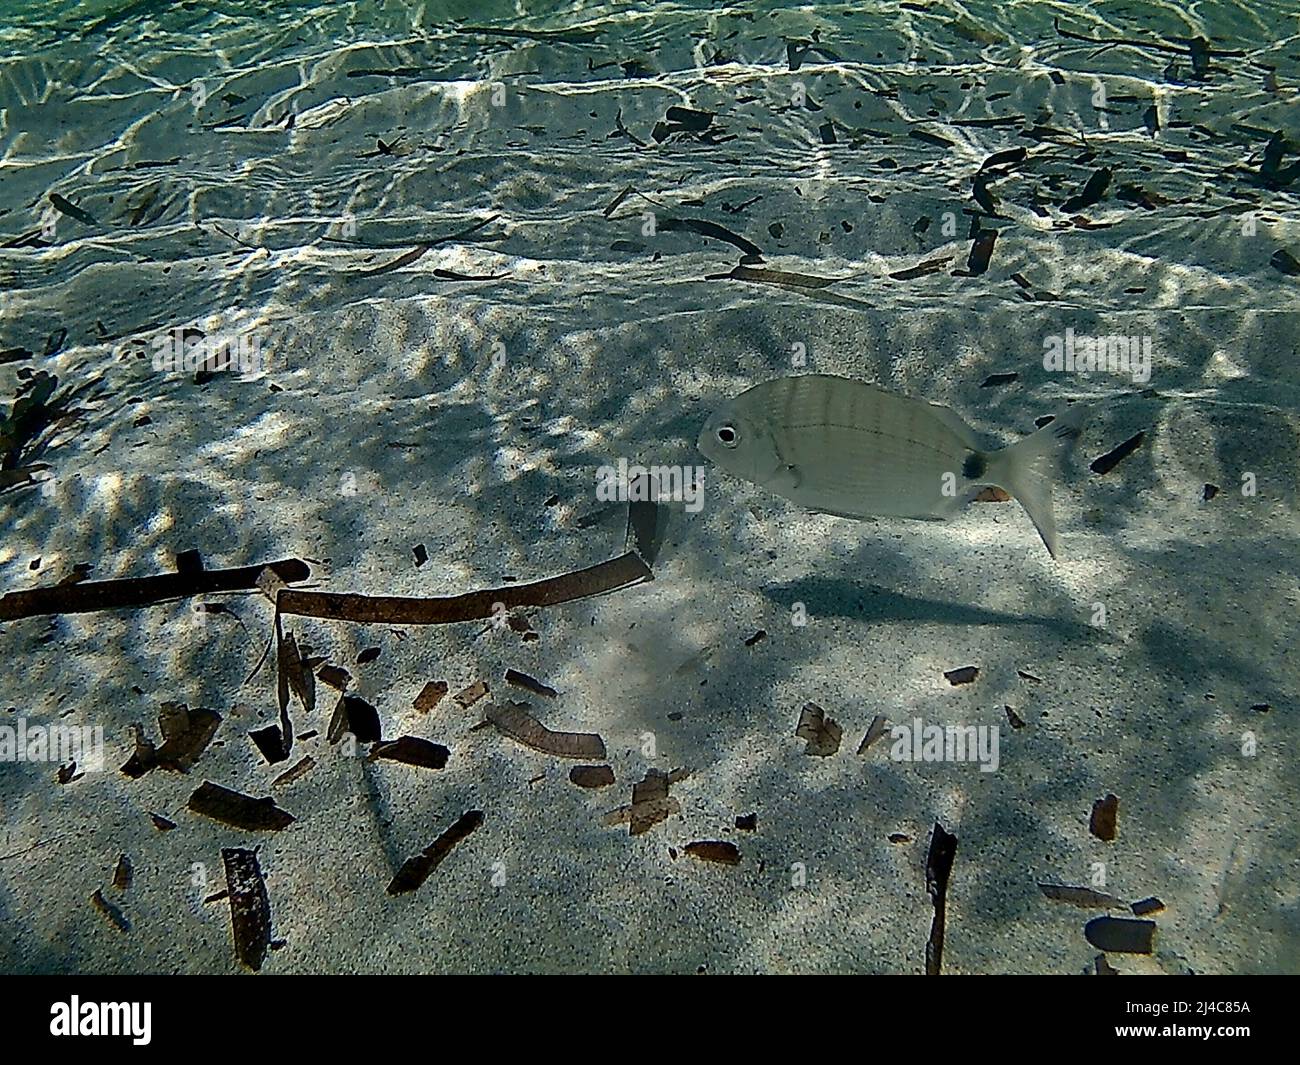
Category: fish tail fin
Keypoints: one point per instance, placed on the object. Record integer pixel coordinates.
(1027, 469)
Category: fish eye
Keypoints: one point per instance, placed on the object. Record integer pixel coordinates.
(728, 436)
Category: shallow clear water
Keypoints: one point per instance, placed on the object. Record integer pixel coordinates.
(259, 174)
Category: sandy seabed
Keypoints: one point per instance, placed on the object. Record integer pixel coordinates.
(250, 171)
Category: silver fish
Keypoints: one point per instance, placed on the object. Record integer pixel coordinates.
(848, 448)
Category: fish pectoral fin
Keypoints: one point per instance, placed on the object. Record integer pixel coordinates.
(787, 478)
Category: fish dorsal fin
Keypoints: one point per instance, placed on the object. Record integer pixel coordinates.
(949, 417)
(957, 425)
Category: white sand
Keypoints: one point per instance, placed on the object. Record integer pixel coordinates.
(391, 380)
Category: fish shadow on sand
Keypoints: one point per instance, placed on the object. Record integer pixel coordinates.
(870, 602)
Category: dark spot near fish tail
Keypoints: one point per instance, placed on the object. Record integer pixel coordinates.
(974, 466)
